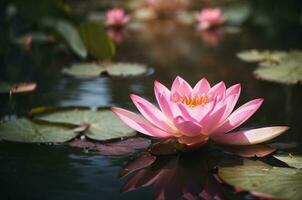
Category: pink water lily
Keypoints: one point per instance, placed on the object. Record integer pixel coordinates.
(193, 115)
(116, 17)
(209, 17)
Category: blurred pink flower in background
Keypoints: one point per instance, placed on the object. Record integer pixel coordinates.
(193, 115)
(116, 17)
(209, 17)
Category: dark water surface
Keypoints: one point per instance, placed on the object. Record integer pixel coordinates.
(30, 171)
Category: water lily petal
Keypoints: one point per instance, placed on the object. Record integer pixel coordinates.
(212, 120)
(230, 103)
(188, 128)
(248, 137)
(218, 90)
(239, 116)
(152, 114)
(202, 87)
(235, 89)
(163, 97)
(138, 123)
(181, 87)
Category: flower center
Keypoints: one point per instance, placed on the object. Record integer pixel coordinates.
(192, 101)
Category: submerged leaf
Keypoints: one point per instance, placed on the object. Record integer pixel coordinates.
(98, 43)
(260, 179)
(290, 160)
(17, 88)
(102, 124)
(138, 163)
(24, 130)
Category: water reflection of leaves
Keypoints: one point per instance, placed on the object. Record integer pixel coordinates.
(184, 175)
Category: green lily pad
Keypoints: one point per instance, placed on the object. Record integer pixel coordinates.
(17, 87)
(88, 70)
(24, 130)
(287, 70)
(290, 160)
(100, 125)
(261, 56)
(262, 179)
(98, 43)
(126, 69)
(85, 70)
(69, 33)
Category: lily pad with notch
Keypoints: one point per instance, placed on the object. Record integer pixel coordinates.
(276, 66)
(26, 131)
(100, 124)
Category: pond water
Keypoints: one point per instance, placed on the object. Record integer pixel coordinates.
(31, 171)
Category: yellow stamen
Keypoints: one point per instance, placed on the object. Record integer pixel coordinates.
(192, 101)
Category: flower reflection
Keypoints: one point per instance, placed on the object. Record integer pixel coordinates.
(181, 176)
(117, 34)
(211, 37)
(209, 17)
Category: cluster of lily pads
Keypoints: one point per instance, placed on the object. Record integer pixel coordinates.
(78, 127)
(276, 66)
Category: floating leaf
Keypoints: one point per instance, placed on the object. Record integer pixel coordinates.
(84, 70)
(257, 150)
(24, 130)
(98, 43)
(70, 34)
(102, 124)
(126, 69)
(118, 148)
(276, 66)
(288, 70)
(261, 56)
(17, 88)
(260, 178)
(141, 162)
(115, 69)
(290, 160)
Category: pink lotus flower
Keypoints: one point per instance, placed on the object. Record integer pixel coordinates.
(193, 115)
(116, 17)
(209, 17)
